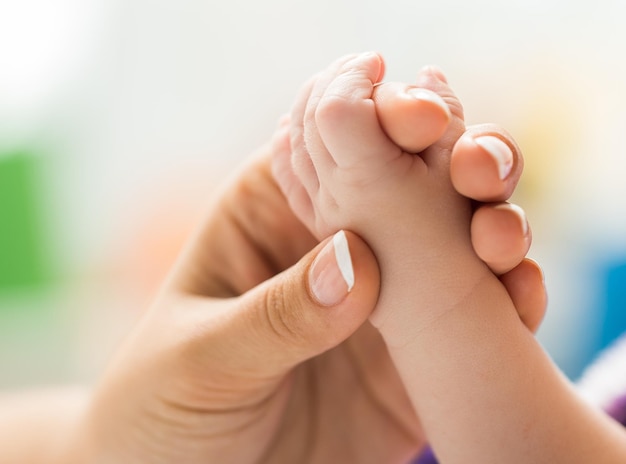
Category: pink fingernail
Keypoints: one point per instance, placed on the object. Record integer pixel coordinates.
(331, 276)
(520, 213)
(499, 151)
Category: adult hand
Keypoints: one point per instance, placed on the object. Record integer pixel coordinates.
(240, 361)
(485, 165)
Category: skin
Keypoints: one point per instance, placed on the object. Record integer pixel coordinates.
(483, 388)
(237, 362)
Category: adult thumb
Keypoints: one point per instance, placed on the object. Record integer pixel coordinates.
(308, 309)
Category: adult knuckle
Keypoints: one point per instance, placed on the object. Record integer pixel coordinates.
(281, 316)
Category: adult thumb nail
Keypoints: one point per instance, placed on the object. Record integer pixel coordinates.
(302, 312)
(331, 276)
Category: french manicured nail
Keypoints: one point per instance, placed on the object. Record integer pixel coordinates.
(499, 151)
(519, 212)
(429, 96)
(331, 276)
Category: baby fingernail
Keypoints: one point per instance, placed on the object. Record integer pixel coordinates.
(283, 121)
(434, 71)
(331, 276)
(429, 96)
(499, 151)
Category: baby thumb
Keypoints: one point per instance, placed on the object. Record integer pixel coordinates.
(306, 310)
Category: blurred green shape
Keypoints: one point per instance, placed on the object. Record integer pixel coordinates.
(23, 253)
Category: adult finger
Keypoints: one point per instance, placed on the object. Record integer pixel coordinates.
(500, 235)
(527, 289)
(412, 117)
(300, 313)
(486, 163)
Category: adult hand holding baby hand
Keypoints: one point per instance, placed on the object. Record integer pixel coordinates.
(257, 352)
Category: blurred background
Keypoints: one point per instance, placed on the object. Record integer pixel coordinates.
(119, 118)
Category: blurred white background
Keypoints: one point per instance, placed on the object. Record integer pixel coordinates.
(136, 109)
